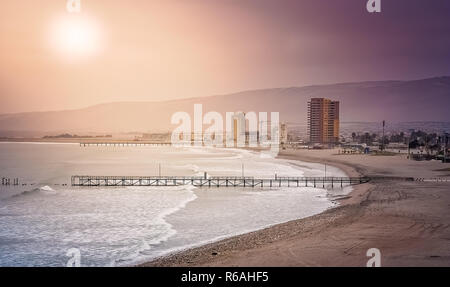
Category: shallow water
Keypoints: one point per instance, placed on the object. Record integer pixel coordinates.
(42, 220)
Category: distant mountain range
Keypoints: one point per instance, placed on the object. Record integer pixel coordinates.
(395, 101)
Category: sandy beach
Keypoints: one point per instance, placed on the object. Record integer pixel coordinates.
(408, 221)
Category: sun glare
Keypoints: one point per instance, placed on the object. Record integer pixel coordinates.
(75, 36)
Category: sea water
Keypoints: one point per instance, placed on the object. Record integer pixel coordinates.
(44, 217)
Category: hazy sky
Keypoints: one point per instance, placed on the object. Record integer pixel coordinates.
(144, 50)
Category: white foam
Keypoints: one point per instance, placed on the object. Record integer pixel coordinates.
(117, 226)
(46, 188)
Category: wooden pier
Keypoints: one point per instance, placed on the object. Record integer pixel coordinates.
(7, 181)
(124, 144)
(333, 182)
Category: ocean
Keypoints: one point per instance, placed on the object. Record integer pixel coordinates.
(44, 217)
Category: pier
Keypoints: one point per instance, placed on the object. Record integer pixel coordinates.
(124, 144)
(333, 182)
(7, 181)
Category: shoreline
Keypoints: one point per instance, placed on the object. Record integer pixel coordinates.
(202, 247)
(333, 200)
(340, 236)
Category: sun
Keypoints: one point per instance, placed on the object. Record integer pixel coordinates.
(75, 36)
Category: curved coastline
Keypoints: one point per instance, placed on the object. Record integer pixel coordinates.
(406, 220)
(199, 255)
(331, 199)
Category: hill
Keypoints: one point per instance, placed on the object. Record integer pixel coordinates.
(395, 101)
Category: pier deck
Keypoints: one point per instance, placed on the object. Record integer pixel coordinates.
(125, 143)
(333, 182)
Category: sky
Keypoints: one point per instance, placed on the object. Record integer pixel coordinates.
(149, 50)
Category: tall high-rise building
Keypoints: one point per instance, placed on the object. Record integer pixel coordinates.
(323, 121)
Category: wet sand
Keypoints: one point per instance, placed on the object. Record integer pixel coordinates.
(408, 221)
